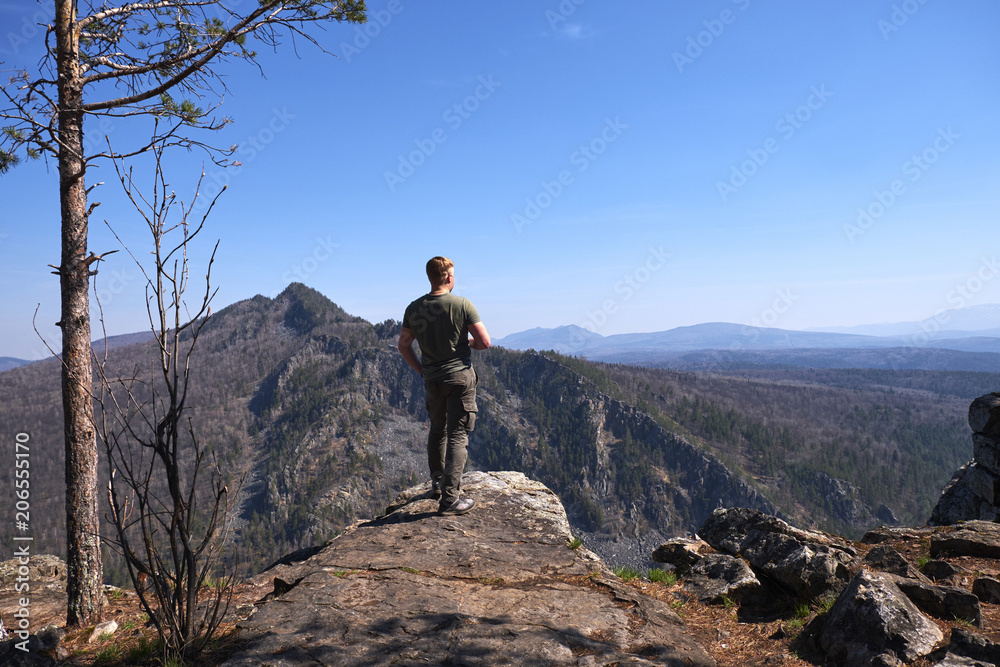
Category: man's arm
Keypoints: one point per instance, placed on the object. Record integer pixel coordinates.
(480, 336)
(405, 346)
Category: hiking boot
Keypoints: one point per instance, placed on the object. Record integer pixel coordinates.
(460, 506)
(435, 488)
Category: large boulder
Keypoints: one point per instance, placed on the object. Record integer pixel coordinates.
(681, 552)
(886, 559)
(973, 646)
(974, 490)
(984, 415)
(947, 602)
(719, 576)
(874, 623)
(979, 539)
(499, 585)
(806, 563)
(960, 500)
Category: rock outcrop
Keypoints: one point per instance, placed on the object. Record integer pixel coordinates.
(974, 490)
(874, 623)
(500, 584)
(880, 603)
(806, 563)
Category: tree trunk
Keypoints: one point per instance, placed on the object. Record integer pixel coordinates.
(83, 542)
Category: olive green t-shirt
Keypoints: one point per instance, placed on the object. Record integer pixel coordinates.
(440, 323)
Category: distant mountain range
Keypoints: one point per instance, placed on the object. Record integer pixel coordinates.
(913, 345)
(982, 320)
(7, 363)
(317, 411)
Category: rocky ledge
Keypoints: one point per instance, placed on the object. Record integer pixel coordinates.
(500, 585)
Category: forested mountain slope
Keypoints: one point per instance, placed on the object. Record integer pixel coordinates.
(318, 413)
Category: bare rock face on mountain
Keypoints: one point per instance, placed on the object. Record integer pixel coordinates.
(499, 584)
(974, 490)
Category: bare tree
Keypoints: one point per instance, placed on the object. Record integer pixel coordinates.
(168, 498)
(123, 61)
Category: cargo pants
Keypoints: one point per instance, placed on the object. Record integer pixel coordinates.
(451, 407)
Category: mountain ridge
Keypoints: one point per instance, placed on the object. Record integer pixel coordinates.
(320, 412)
(728, 340)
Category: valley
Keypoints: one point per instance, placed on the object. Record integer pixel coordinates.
(314, 416)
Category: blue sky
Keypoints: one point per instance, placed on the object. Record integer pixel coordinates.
(629, 167)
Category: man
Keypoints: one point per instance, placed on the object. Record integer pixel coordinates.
(441, 323)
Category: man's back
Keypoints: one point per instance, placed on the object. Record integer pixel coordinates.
(440, 323)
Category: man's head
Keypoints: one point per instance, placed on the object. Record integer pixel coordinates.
(439, 271)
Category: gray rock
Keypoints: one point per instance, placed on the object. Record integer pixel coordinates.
(101, 629)
(50, 636)
(986, 452)
(886, 559)
(806, 563)
(681, 552)
(971, 645)
(980, 539)
(959, 502)
(41, 568)
(952, 660)
(873, 623)
(946, 602)
(983, 483)
(497, 585)
(987, 589)
(11, 656)
(885, 514)
(984, 414)
(942, 569)
(884, 534)
(841, 497)
(974, 491)
(718, 575)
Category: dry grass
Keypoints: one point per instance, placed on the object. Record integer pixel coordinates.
(135, 642)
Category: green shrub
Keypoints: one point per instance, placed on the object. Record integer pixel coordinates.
(626, 573)
(662, 577)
